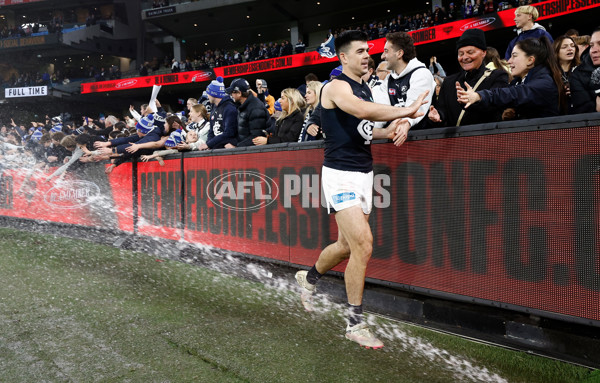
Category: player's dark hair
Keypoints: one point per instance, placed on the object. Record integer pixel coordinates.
(402, 40)
(344, 39)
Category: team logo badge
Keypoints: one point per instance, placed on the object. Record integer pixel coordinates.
(392, 91)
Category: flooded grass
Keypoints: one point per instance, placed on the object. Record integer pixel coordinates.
(75, 311)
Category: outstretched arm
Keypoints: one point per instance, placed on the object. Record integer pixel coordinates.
(339, 94)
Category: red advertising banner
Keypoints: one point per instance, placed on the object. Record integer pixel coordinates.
(84, 200)
(506, 218)
(15, 2)
(146, 81)
(509, 218)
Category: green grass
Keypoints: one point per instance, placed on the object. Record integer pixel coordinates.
(77, 311)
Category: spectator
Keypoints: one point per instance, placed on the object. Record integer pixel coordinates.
(223, 118)
(471, 52)
(566, 52)
(382, 71)
(144, 69)
(493, 61)
(585, 80)
(525, 17)
(436, 68)
(452, 14)
(370, 77)
(173, 132)
(199, 122)
(174, 66)
(174, 145)
(311, 132)
(252, 114)
(583, 42)
(537, 90)
(262, 92)
(300, 47)
(409, 78)
(289, 124)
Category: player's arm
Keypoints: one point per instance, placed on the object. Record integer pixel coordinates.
(339, 93)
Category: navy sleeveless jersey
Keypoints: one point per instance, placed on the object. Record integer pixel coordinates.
(347, 138)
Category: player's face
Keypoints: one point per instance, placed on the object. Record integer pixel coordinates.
(357, 58)
(595, 48)
(470, 57)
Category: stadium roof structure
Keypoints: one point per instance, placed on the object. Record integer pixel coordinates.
(234, 23)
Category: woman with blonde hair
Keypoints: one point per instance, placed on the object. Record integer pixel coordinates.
(199, 121)
(493, 61)
(289, 124)
(310, 131)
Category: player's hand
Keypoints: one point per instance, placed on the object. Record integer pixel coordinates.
(414, 107)
(400, 131)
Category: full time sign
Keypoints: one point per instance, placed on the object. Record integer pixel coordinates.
(30, 91)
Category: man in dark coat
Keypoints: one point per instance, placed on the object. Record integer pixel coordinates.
(471, 48)
(252, 113)
(585, 80)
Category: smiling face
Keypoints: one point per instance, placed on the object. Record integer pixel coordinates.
(194, 115)
(566, 52)
(355, 58)
(192, 136)
(470, 57)
(522, 20)
(520, 63)
(391, 55)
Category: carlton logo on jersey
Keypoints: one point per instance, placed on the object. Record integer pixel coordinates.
(365, 129)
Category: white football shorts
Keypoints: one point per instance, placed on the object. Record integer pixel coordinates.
(343, 189)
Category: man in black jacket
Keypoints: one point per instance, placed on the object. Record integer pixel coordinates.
(471, 48)
(252, 113)
(585, 80)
